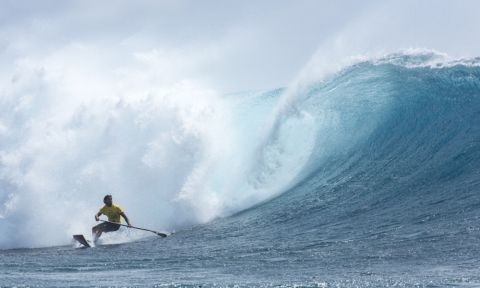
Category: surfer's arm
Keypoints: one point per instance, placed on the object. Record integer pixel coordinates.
(97, 215)
(126, 218)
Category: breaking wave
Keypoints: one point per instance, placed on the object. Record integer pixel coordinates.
(394, 140)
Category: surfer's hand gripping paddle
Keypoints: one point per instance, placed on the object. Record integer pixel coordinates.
(138, 228)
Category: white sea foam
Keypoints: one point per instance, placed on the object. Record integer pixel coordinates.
(75, 127)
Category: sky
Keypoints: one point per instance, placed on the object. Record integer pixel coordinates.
(230, 45)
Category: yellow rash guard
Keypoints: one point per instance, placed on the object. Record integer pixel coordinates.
(113, 213)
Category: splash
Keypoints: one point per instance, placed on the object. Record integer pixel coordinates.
(172, 153)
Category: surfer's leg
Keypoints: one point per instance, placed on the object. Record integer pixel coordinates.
(96, 235)
(97, 231)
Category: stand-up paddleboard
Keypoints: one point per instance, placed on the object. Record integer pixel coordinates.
(81, 239)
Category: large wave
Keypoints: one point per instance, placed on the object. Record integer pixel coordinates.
(395, 170)
(367, 137)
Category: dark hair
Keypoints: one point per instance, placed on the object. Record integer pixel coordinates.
(105, 198)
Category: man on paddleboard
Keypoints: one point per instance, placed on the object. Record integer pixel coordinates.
(113, 212)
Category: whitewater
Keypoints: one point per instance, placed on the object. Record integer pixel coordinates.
(365, 176)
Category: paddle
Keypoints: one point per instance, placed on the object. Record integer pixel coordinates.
(158, 233)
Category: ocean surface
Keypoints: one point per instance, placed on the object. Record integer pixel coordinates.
(366, 177)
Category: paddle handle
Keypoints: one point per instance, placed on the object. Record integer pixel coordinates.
(143, 229)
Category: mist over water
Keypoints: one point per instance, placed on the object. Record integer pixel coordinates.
(172, 153)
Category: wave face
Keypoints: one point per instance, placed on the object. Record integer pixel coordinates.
(407, 145)
(394, 179)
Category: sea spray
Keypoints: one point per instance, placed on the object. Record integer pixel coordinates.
(171, 154)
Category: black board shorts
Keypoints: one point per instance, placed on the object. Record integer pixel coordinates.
(109, 227)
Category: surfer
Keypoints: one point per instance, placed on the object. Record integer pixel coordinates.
(113, 212)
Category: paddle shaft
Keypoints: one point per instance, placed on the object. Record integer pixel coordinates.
(143, 229)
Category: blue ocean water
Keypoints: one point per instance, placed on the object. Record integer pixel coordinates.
(388, 196)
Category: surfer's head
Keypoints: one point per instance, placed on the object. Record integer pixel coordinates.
(107, 200)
